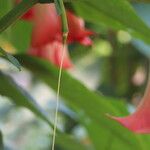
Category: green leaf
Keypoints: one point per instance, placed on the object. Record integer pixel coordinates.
(1, 141)
(17, 31)
(10, 58)
(89, 105)
(68, 143)
(13, 15)
(20, 97)
(115, 14)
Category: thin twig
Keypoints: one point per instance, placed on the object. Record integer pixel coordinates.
(65, 35)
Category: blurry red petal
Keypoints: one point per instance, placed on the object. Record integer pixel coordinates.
(46, 25)
(55, 50)
(88, 32)
(86, 41)
(138, 122)
(53, 53)
(77, 31)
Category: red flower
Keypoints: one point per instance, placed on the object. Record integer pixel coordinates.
(77, 31)
(52, 52)
(46, 25)
(46, 41)
(47, 37)
(139, 121)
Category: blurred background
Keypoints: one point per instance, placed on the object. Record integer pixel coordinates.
(108, 77)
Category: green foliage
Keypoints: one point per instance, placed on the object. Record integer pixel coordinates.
(115, 14)
(68, 143)
(10, 58)
(89, 103)
(90, 107)
(1, 141)
(13, 15)
(21, 98)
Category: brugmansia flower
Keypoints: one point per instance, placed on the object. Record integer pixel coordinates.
(77, 31)
(53, 53)
(47, 36)
(46, 40)
(139, 121)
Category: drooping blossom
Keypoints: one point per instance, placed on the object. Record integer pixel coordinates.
(139, 121)
(52, 52)
(77, 31)
(46, 25)
(46, 40)
(52, 30)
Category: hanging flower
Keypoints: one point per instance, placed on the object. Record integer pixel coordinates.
(52, 26)
(46, 40)
(47, 36)
(46, 25)
(77, 31)
(139, 121)
(53, 52)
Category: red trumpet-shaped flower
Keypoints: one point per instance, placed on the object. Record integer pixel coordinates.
(46, 40)
(47, 17)
(46, 25)
(139, 121)
(53, 52)
(47, 37)
(77, 31)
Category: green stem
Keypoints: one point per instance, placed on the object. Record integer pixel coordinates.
(64, 23)
(59, 4)
(16, 13)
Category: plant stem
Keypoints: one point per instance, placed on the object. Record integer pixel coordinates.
(65, 35)
(64, 20)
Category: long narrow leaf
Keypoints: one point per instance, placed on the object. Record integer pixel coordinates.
(115, 14)
(19, 96)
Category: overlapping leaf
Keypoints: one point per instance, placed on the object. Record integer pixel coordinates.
(19, 96)
(91, 105)
(115, 14)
